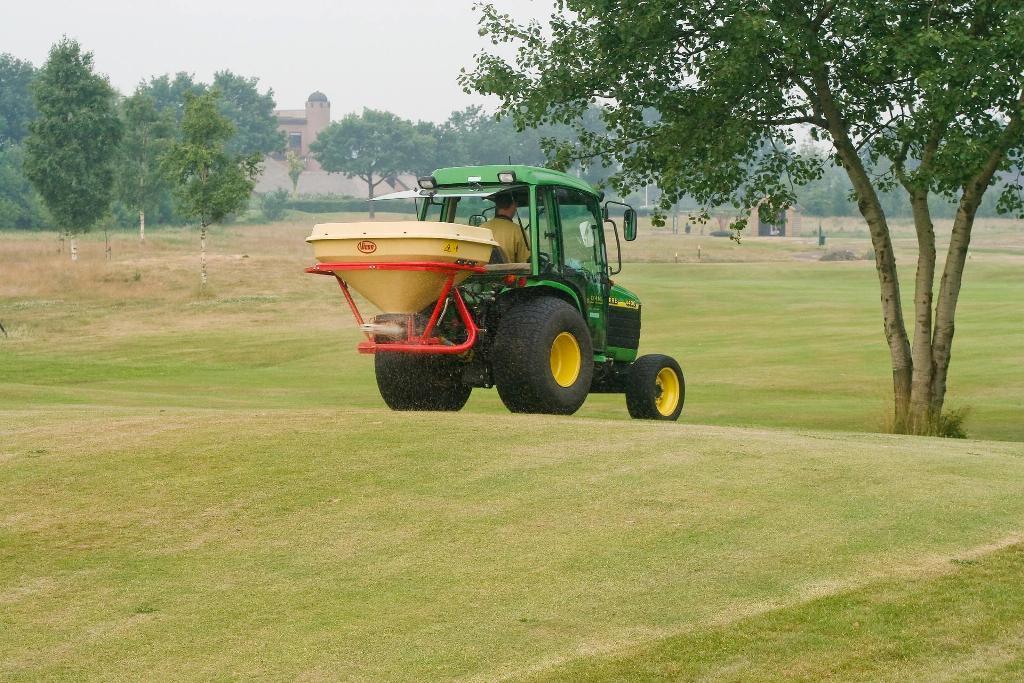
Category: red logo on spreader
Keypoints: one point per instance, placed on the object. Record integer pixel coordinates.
(367, 247)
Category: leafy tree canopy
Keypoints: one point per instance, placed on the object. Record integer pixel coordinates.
(19, 204)
(16, 107)
(72, 145)
(169, 93)
(373, 146)
(252, 113)
(210, 182)
(703, 98)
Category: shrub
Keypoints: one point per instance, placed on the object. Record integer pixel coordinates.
(336, 204)
(950, 424)
(273, 205)
(839, 255)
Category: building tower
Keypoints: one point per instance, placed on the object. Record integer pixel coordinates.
(318, 116)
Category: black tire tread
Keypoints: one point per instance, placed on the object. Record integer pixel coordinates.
(420, 382)
(641, 388)
(520, 360)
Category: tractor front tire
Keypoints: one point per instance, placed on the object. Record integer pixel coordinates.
(409, 381)
(543, 358)
(655, 388)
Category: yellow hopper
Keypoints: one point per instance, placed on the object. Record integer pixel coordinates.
(404, 290)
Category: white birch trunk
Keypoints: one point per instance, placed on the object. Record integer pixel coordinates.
(74, 248)
(142, 226)
(202, 258)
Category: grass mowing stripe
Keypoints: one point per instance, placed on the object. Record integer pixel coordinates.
(964, 624)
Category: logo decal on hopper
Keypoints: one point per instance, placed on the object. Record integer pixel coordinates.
(367, 246)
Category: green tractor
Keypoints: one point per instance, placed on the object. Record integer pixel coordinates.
(458, 315)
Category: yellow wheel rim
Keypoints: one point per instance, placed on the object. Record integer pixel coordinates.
(667, 391)
(566, 359)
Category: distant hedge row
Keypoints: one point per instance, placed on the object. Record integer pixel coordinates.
(339, 204)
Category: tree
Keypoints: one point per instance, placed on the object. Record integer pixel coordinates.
(148, 134)
(16, 107)
(169, 94)
(19, 203)
(372, 146)
(252, 113)
(296, 166)
(703, 99)
(72, 145)
(210, 183)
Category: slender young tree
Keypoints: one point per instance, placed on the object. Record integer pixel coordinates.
(148, 135)
(296, 166)
(210, 183)
(72, 146)
(372, 146)
(703, 99)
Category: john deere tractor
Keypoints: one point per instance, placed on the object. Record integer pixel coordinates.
(457, 315)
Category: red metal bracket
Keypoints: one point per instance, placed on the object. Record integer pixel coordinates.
(424, 342)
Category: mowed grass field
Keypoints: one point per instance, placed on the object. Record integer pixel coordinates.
(209, 486)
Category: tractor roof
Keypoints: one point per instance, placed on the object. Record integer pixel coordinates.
(531, 175)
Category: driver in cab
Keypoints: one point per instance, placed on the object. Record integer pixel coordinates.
(507, 232)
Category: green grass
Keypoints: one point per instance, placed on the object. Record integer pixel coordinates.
(364, 544)
(770, 344)
(210, 488)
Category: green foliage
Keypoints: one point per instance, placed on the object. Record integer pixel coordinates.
(702, 99)
(372, 146)
(148, 135)
(20, 206)
(169, 94)
(16, 106)
(72, 146)
(950, 424)
(296, 166)
(273, 205)
(210, 183)
(251, 112)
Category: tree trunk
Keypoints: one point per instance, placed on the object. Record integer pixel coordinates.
(202, 258)
(956, 257)
(921, 418)
(142, 226)
(74, 248)
(949, 294)
(369, 184)
(885, 261)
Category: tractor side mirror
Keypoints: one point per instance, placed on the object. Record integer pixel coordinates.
(629, 225)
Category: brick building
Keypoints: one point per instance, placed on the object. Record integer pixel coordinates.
(301, 126)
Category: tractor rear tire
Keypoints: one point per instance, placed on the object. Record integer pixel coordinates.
(409, 381)
(655, 388)
(542, 358)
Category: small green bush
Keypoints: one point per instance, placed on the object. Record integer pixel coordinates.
(273, 205)
(950, 424)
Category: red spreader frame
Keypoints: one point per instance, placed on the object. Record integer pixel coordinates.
(414, 343)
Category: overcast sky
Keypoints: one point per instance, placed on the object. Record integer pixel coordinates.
(399, 55)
